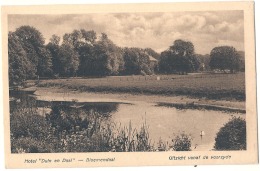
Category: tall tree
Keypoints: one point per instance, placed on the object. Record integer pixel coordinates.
(225, 58)
(166, 62)
(136, 61)
(242, 58)
(180, 58)
(80, 38)
(69, 59)
(108, 57)
(20, 67)
(83, 43)
(55, 40)
(32, 42)
(44, 67)
(87, 60)
(54, 48)
(89, 36)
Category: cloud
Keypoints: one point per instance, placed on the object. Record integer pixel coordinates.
(190, 22)
(156, 30)
(60, 19)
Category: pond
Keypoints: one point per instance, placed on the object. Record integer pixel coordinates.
(162, 122)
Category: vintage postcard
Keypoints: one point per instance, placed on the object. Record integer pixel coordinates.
(129, 85)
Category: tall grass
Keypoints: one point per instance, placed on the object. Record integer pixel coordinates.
(124, 139)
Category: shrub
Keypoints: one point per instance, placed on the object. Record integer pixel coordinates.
(162, 146)
(28, 124)
(182, 142)
(64, 118)
(232, 136)
(78, 141)
(30, 145)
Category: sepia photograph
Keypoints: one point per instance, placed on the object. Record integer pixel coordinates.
(132, 81)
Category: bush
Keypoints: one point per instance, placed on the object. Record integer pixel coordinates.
(182, 142)
(28, 124)
(80, 141)
(64, 118)
(30, 145)
(232, 136)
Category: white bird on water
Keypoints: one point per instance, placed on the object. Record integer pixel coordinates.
(202, 133)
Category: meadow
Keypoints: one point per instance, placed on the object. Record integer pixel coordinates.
(206, 85)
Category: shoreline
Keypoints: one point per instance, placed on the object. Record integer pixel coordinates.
(66, 94)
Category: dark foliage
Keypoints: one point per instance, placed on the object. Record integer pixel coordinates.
(63, 118)
(182, 142)
(69, 60)
(28, 124)
(225, 58)
(20, 67)
(30, 145)
(54, 49)
(232, 136)
(32, 42)
(136, 62)
(179, 58)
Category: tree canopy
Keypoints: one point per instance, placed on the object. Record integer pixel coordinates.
(85, 53)
(136, 62)
(179, 58)
(108, 57)
(232, 136)
(32, 43)
(69, 60)
(225, 58)
(54, 48)
(20, 67)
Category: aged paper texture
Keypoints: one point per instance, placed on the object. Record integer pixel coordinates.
(129, 85)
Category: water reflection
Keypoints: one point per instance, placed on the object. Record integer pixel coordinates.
(63, 115)
(24, 100)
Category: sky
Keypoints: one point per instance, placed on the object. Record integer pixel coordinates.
(158, 31)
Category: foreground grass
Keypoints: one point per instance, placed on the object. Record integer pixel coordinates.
(210, 86)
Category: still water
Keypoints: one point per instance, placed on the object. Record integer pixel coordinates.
(163, 122)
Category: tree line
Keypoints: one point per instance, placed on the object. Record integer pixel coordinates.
(84, 53)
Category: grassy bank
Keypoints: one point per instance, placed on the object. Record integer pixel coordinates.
(210, 86)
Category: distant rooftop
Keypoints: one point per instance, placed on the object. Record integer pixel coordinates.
(152, 58)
